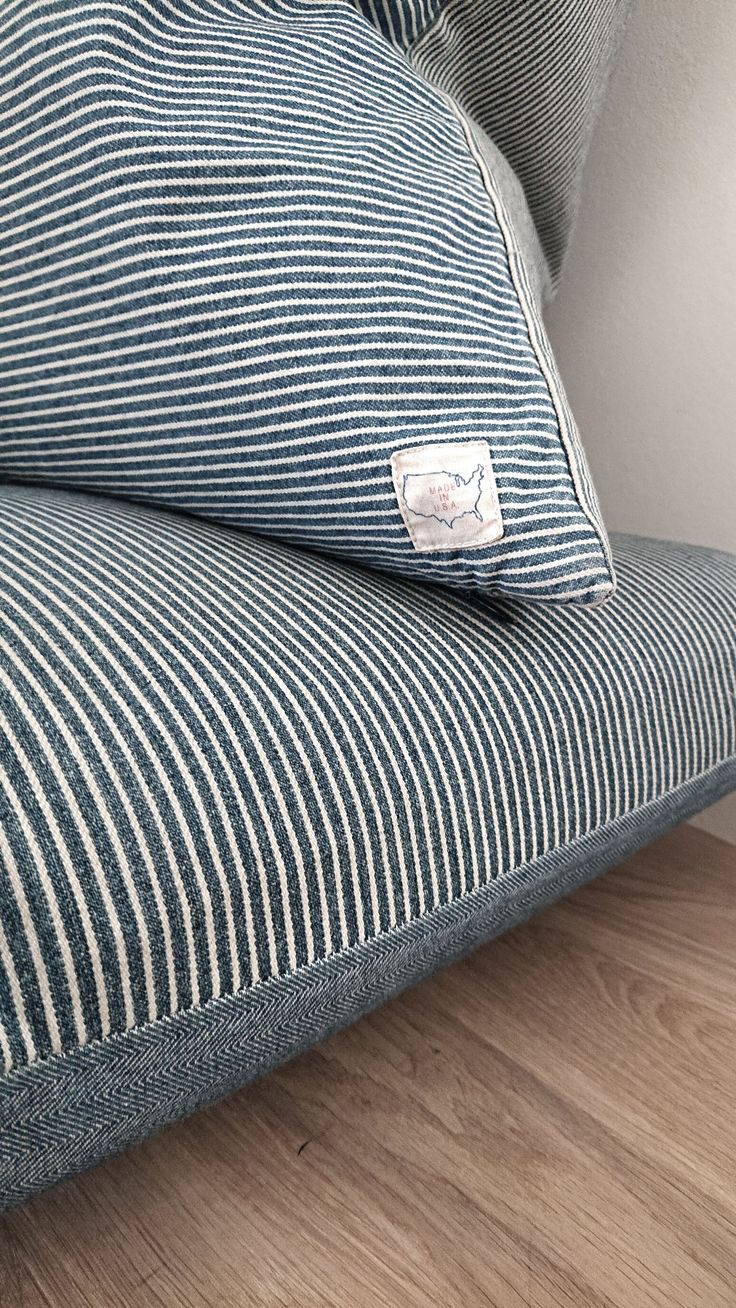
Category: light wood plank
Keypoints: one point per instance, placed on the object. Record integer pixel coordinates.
(550, 1123)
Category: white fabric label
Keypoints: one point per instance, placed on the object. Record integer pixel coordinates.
(447, 495)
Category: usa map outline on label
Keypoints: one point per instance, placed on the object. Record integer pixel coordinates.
(443, 494)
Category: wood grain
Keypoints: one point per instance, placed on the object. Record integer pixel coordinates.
(550, 1123)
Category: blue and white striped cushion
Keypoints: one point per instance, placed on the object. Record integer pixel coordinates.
(249, 253)
(531, 74)
(247, 791)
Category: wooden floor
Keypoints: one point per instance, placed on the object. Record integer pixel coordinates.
(551, 1122)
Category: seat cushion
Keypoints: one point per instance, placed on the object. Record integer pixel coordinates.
(248, 792)
(256, 268)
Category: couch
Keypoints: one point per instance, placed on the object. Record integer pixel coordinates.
(249, 791)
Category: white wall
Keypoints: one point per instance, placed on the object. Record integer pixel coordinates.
(644, 326)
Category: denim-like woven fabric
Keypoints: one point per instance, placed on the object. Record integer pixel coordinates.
(249, 253)
(531, 74)
(74, 1110)
(224, 762)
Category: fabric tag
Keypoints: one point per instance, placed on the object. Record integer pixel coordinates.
(447, 495)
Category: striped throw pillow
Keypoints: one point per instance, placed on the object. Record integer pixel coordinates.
(531, 74)
(257, 268)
